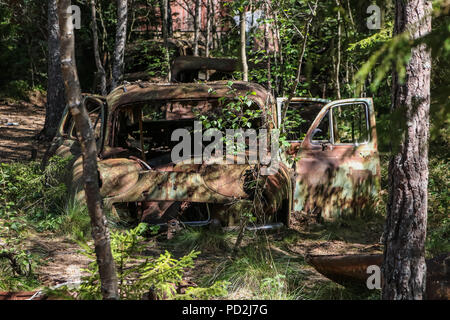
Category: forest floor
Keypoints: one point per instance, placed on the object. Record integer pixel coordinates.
(60, 259)
(20, 123)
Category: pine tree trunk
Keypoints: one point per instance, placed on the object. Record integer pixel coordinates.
(101, 74)
(404, 268)
(100, 232)
(55, 86)
(119, 50)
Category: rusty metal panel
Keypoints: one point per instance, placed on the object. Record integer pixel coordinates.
(341, 179)
(208, 186)
(351, 270)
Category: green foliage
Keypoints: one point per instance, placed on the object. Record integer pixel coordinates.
(16, 263)
(139, 274)
(235, 113)
(203, 239)
(30, 198)
(16, 270)
(149, 57)
(374, 40)
(438, 237)
(438, 228)
(17, 89)
(328, 290)
(22, 46)
(75, 221)
(254, 274)
(395, 53)
(40, 194)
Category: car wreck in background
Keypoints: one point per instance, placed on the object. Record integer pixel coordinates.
(145, 60)
(329, 169)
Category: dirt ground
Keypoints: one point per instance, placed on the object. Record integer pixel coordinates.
(20, 122)
(61, 260)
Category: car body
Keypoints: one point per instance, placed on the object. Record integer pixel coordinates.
(327, 178)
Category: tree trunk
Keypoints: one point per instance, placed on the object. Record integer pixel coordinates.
(169, 20)
(214, 31)
(280, 87)
(100, 232)
(338, 59)
(266, 46)
(209, 14)
(119, 50)
(55, 86)
(243, 45)
(197, 25)
(164, 4)
(404, 267)
(101, 75)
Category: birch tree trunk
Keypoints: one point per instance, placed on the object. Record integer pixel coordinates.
(214, 31)
(338, 58)
(197, 25)
(164, 5)
(55, 86)
(101, 74)
(100, 232)
(209, 14)
(266, 46)
(243, 45)
(404, 267)
(119, 50)
(169, 20)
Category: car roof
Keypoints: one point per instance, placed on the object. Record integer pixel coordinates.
(137, 92)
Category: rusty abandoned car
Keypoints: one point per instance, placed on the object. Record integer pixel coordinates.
(328, 164)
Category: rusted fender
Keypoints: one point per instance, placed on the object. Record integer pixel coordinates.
(115, 176)
(345, 269)
(221, 185)
(351, 270)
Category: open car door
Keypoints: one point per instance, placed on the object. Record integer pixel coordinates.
(336, 164)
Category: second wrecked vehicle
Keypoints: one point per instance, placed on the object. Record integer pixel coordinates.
(330, 167)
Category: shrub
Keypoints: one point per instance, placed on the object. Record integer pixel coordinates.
(138, 275)
(17, 89)
(38, 194)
